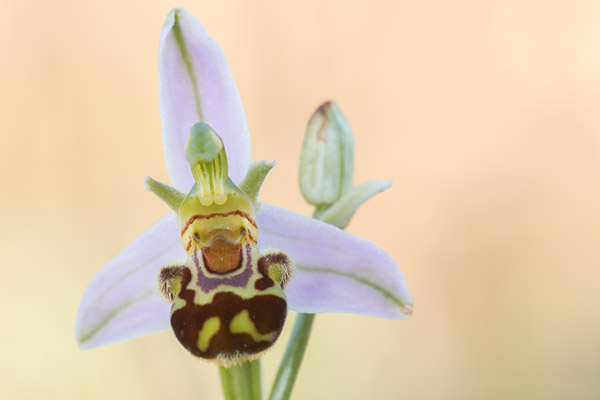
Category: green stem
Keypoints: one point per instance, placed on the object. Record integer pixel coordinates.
(242, 382)
(290, 364)
(254, 380)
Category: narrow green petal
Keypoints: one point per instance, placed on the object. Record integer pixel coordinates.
(166, 193)
(253, 181)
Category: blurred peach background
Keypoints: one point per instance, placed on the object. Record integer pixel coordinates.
(485, 113)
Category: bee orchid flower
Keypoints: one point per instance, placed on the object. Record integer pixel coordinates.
(335, 271)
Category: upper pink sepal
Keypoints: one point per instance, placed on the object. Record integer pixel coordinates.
(196, 85)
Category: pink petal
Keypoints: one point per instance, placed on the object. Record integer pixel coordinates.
(335, 270)
(122, 301)
(195, 84)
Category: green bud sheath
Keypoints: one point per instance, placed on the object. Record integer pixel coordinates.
(327, 156)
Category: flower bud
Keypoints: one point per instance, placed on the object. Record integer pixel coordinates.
(327, 156)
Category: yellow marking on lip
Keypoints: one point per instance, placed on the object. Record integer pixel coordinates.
(209, 329)
(238, 213)
(242, 323)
